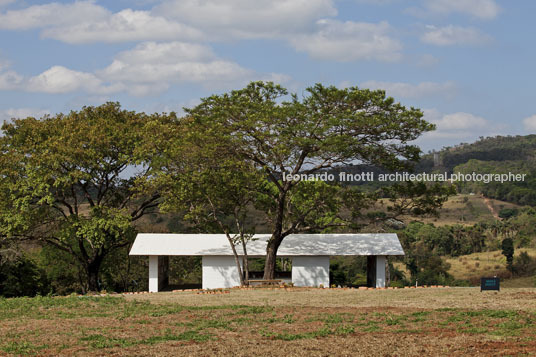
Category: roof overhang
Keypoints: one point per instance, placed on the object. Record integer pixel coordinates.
(348, 244)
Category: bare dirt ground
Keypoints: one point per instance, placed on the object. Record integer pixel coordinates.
(264, 322)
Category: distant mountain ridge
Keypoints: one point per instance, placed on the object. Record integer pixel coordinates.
(500, 154)
(499, 148)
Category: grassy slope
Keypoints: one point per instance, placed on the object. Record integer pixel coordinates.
(466, 210)
(477, 265)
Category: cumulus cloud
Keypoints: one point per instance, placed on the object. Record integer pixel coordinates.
(59, 79)
(408, 90)
(458, 125)
(305, 24)
(6, 2)
(483, 9)
(126, 25)
(245, 18)
(530, 123)
(86, 21)
(10, 80)
(454, 35)
(53, 14)
(19, 113)
(454, 128)
(148, 68)
(154, 66)
(349, 41)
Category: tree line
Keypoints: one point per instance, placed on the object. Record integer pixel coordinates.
(80, 184)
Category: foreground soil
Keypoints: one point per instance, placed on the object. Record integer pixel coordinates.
(306, 322)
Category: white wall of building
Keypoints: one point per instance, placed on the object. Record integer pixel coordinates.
(220, 272)
(153, 273)
(380, 271)
(310, 271)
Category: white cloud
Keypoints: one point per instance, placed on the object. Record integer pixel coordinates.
(59, 79)
(461, 121)
(126, 25)
(483, 9)
(305, 24)
(6, 2)
(53, 14)
(530, 123)
(454, 128)
(458, 125)
(454, 35)
(147, 69)
(153, 66)
(247, 19)
(20, 113)
(10, 80)
(85, 22)
(408, 90)
(349, 41)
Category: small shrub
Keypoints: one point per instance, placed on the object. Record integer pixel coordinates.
(397, 284)
(524, 265)
(22, 277)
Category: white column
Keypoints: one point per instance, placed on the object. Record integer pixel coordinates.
(310, 271)
(153, 273)
(380, 271)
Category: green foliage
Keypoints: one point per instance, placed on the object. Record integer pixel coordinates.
(524, 265)
(61, 270)
(417, 198)
(422, 244)
(67, 181)
(278, 134)
(507, 247)
(506, 213)
(452, 240)
(22, 277)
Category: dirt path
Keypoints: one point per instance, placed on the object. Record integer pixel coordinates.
(494, 213)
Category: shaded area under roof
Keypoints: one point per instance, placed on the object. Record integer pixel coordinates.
(292, 245)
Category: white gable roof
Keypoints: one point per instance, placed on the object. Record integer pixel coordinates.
(292, 245)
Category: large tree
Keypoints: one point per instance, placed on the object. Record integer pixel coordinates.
(72, 181)
(201, 179)
(327, 127)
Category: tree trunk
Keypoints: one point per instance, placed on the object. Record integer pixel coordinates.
(93, 278)
(275, 240)
(93, 270)
(271, 256)
(245, 264)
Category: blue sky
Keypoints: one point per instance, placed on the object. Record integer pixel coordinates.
(468, 64)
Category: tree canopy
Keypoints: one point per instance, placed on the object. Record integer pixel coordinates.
(276, 134)
(71, 181)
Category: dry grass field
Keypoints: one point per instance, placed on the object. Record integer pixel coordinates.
(300, 322)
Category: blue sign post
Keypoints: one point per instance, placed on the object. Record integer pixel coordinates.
(489, 284)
